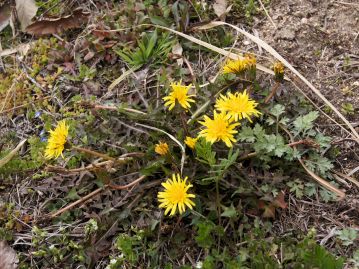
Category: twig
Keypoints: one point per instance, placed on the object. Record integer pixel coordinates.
(323, 182)
(94, 153)
(59, 169)
(113, 108)
(117, 187)
(272, 93)
(24, 105)
(95, 192)
(267, 14)
(80, 201)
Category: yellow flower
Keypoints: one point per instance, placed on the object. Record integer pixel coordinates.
(179, 94)
(191, 142)
(237, 106)
(175, 195)
(234, 66)
(240, 65)
(278, 69)
(250, 61)
(220, 128)
(57, 140)
(161, 148)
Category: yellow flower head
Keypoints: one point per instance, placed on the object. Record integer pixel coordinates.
(240, 65)
(191, 142)
(220, 128)
(250, 61)
(179, 93)
(57, 140)
(234, 66)
(161, 148)
(278, 69)
(237, 106)
(175, 195)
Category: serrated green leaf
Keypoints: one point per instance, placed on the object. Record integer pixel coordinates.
(246, 134)
(229, 212)
(304, 123)
(277, 110)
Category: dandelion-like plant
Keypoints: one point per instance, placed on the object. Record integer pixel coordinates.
(175, 195)
(278, 69)
(220, 128)
(161, 148)
(234, 66)
(179, 93)
(237, 106)
(190, 142)
(56, 142)
(240, 65)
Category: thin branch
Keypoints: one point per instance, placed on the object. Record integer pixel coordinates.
(92, 194)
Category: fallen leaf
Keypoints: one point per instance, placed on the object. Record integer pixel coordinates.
(22, 49)
(58, 25)
(5, 15)
(279, 201)
(269, 211)
(221, 8)
(26, 10)
(89, 56)
(177, 51)
(8, 258)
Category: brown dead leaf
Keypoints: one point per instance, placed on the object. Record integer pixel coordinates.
(5, 15)
(269, 211)
(8, 259)
(26, 10)
(58, 25)
(279, 201)
(89, 56)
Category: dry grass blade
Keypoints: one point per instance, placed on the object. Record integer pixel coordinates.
(122, 77)
(349, 178)
(324, 183)
(274, 53)
(226, 53)
(11, 154)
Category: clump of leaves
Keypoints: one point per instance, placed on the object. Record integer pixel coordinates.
(152, 49)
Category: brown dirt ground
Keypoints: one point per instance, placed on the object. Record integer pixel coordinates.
(321, 40)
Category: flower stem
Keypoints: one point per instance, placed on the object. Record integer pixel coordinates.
(94, 153)
(184, 123)
(218, 204)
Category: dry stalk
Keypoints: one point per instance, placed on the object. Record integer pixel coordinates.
(94, 193)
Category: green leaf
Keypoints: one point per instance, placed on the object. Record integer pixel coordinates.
(204, 238)
(323, 141)
(348, 236)
(229, 212)
(303, 124)
(204, 152)
(72, 195)
(258, 131)
(318, 163)
(246, 134)
(296, 187)
(277, 110)
(310, 189)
